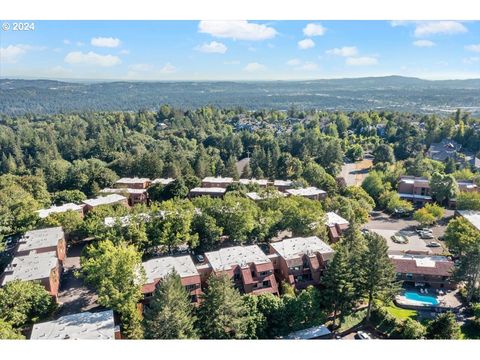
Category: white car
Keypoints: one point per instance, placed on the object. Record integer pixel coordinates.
(362, 336)
(433, 244)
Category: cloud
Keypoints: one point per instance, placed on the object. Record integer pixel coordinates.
(168, 69)
(423, 43)
(471, 60)
(346, 51)
(306, 44)
(293, 62)
(254, 67)
(473, 47)
(108, 42)
(12, 53)
(361, 61)
(439, 27)
(91, 58)
(237, 30)
(212, 47)
(314, 30)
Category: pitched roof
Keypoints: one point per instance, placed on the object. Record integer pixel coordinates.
(294, 248)
(39, 239)
(333, 218)
(472, 216)
(226, 258)
(80, 326)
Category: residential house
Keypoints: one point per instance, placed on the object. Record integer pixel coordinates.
(300, 261)
(111, 199)
(450, 149)
(217, 182)
(133, 183)
(43, 213)
(80, 326)
(249, 268)
(310, 192)
(424, 270)
(43, 241)
(44, 268)
(156, 269)
(283, 185)
(336, 225)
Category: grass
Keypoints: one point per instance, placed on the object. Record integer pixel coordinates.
(400, 313)
(353, 320)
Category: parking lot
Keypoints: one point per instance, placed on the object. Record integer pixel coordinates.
(387, 226)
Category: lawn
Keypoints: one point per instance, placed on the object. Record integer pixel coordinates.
(352, 320)
(400, 313)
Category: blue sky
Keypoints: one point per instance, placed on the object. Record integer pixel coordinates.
(241, 50)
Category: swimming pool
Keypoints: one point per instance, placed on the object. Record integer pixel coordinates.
(420, 298)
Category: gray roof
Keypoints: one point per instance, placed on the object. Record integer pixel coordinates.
(472, 216)
(39, 239)
(105, 200)
(30, 267)
(80, 326)
(308, 191)
(43, 213)
(294, 248)
(225, 258)
(158, 268)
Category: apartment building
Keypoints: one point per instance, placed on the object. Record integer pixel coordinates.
(300, 261)
(81, 326)
(207, 191)
(336, 225)
(43, 241)
(44, 268)
(162, 181)
(415, 189)
(111, 199)
(133, 183)
(135, 196)
(43, 213)
(158, 268)
(217, 182)
(249, 268)
(263, 183)
(424, 270)
(310, 192)
(283, 185)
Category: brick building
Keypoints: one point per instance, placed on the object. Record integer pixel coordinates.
(135, 196)
(216, 182)
(249, 268)
(336, 225)
(42, 241)
(133, 183)
(111, 199)
(207, 191)
(310, 192)
(300, 261)
(43, 213)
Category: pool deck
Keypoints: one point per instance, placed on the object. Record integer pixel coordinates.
(449, 300)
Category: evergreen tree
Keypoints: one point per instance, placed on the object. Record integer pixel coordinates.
(222, 312)
(443, 327)
(377, 275)
(170, 313)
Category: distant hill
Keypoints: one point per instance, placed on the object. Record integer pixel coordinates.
(390, 93)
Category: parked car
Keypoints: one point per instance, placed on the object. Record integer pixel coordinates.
(433, 244)
(399, 239)
(426, 235)
(427, 230)
(200, 258)
(362, 336)
(401, 213)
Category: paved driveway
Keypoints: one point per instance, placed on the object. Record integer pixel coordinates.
(355, 173)
(74, 296)
(386, 226)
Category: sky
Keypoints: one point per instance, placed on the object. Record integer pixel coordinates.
(240, 50)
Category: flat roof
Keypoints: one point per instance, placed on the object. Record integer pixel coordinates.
(163, 181)
(122, 191)
(134, 180)
(294, 248)
(125, 220)
(219, 179)
(263, 182)
(308, 191)
(282, 183)
(39, 239)
(43, 213)
(34, 266)
(158, 268)
(310, 333)
(265, 195)
(225, 258)
(80, 326)
(333, 218)
(105, 200)
(472, 216)
(212, 190)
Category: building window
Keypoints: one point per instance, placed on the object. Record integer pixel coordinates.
(193, 298)
(266, 284)
(409, 276)
(191, 287)
(253, 274)
(236, 276)
(264, 273)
